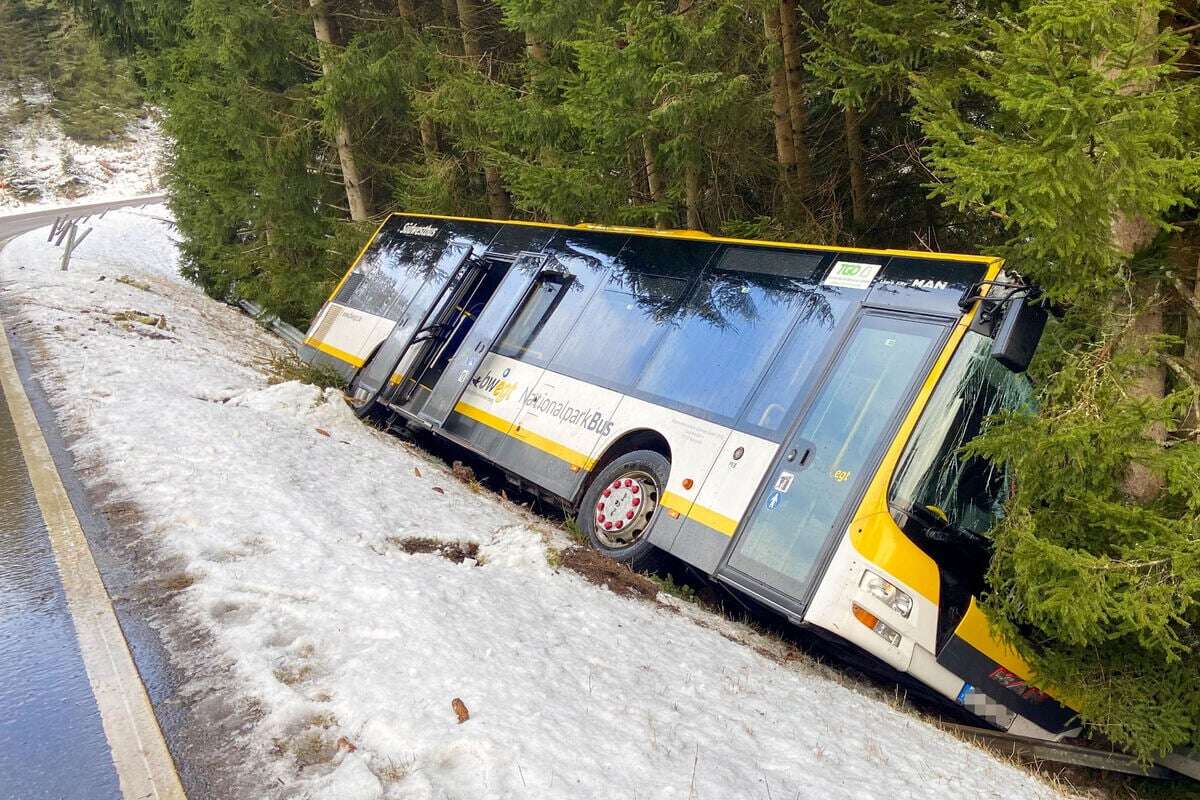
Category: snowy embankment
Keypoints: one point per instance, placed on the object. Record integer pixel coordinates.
(40, 166)
(284, 517)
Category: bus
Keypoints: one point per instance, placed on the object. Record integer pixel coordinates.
(787, 419)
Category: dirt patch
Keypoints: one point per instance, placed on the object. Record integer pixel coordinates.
(312, 744)
(602, 571)
(458, 552)
(168, 584)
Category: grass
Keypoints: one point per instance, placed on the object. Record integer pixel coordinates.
(284, 368)
(683, 591)
(134, 282)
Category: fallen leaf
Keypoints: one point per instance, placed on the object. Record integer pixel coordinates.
(460, 708)
(439, 490)
(345, 744)
(416, 472)
(322, 431)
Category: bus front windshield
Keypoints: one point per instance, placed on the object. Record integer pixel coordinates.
(935, 481)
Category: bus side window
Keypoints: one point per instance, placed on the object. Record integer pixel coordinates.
(524, 329)
(583, 258)
(621, 330)
(640, 302)
(788, 379)
(744, 307)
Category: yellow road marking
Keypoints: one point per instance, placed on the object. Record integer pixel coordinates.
(143, 763)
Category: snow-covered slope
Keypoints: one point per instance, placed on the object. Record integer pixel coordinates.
(41, 166)
(283, 516)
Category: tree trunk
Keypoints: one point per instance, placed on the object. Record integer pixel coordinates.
(654, 180)
(535, 48)
(1131, 234)
(468, 25)
(635, 163)
(450, 18)
(797, 100)
(429, 136)
(858, 178)
(785, 145)
(356, 189)
(468, 22)
(1189, 299)
(408, 13)
(1149, 382)
(691, 183)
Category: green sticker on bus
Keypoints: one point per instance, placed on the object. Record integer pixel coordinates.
(851, 275)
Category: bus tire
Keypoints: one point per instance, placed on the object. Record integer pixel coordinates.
(369, 408)
(622, 504)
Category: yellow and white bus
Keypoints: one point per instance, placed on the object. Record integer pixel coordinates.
(787, 419)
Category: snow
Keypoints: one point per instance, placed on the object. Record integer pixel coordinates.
(284, 511)
(36, 154)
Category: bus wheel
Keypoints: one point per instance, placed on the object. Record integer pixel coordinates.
(360, 399)
(622, 504)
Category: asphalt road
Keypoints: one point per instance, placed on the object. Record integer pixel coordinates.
(14, 224)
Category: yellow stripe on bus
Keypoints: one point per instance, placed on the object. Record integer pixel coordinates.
(707, 517)
(976, 630)
(361, 252)
(697, 513)
(330, 350)
(674, 502)
(537, 441)
(686, 234)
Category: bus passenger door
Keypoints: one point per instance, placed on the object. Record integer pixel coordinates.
(487, 326)
(375, 374)
(822, 468)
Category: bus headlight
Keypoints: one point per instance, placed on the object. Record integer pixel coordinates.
(898, 601)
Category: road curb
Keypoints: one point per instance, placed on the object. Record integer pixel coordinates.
(143, 763)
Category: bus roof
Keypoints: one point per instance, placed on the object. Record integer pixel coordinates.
(690, 234)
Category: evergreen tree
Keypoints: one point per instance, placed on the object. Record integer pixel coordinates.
(1069, 120)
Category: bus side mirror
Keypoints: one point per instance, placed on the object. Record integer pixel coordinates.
(1018, 334)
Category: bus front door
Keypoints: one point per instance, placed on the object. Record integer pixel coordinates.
(825, 464)
(485, 328)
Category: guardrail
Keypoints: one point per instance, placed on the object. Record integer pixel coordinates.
(289, 333)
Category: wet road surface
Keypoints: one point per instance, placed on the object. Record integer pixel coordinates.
(52, 744)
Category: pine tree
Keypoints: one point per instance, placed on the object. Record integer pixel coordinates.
(1071, 117)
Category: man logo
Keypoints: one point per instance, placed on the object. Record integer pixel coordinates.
(930, 286)
(413, 229)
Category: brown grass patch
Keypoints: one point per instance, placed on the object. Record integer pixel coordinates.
(171, 583)
(312, 744)
(603, 571)
(282, 368)
(293, 674)
(458, 552)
